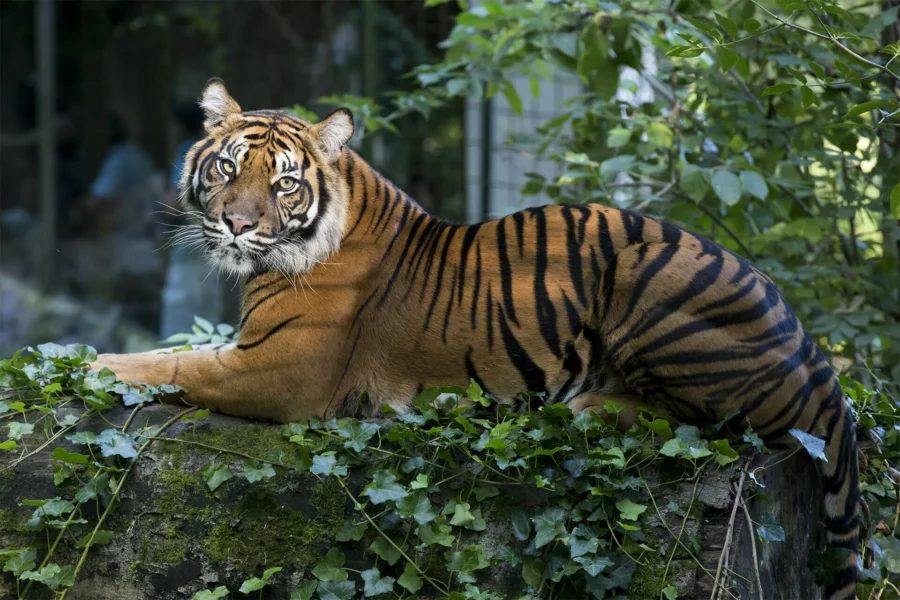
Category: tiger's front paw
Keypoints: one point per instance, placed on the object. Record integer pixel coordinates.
(122, 365)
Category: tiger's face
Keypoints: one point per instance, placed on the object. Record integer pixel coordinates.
(266, 186)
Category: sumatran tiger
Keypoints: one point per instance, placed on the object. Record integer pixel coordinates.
(355, 297)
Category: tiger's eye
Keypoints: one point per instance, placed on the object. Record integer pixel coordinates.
(285, 183)
(227, 166)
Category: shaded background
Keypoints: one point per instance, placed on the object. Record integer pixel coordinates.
(118, 81)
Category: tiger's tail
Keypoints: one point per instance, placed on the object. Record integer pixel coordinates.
(840, 478)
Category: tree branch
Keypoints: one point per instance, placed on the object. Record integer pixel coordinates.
(831, 39)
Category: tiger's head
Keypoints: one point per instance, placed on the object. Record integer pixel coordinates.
(266, 186)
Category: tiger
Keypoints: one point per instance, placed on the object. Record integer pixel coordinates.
(355, 297)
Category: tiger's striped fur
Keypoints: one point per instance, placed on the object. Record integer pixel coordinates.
(355, 297)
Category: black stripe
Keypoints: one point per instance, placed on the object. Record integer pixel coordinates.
(467, 241)
(546, 311)
(449, 304)
(401, 260)
(634, 226)
(519, 219)
(505, 272)
(573, 247)
(270, 333)
(604, 240)
(247, 314)
(534, 377)
(472, 374)
(489, 305)
(640, 286)
(474, 311)
(440, 275)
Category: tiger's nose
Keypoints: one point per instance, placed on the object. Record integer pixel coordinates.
(238, 224)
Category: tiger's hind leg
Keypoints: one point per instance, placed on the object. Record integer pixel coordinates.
(708, 336)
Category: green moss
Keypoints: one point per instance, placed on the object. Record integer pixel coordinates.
(12, 520)
(174, 484)
(166, 548)
(264, 528)
(254, 440)
(650, 579)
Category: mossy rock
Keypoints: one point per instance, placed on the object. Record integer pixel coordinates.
(172, 536)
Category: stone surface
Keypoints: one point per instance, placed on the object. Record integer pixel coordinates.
(173, 537)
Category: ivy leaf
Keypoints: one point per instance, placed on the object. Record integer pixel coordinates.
(63, 455)
(417, 506)
(462, 516)
(385, 551)
(255, 471)
(115, 443)
(9, 445)
(336, 590)
(204, 325)
(219, 592)
(769, 530)
(670, 592)
(375, 584)
(521, 526)
(254, 583)
(583, 541)
(593, 565)
(326, 464)
(410, 579)
(629, 510)
(356, 433)
(891, 548)
(727, 186)
(421, 483)
(814, 446)
(92, 488)
(216, 476)
(549, 525)
(331, 567)
(660, 427)
(53, 576)
(466, 562)
(754, 184)
(351, 532)
(725, 454)
(384, 487)
(20, 561)
(305, 591)
(533, 572)
(83, 437)
(100, 538)
(18, 430)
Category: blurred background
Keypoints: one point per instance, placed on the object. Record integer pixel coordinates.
(98, 106)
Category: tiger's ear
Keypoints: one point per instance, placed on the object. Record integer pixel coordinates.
(217, 104)
(333, 132)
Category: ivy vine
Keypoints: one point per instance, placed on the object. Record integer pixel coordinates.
(570, 490)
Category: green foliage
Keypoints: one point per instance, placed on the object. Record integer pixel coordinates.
(568, 489)
(204, 332)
